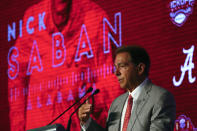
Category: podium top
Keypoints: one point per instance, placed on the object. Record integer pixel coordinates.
(54, 127)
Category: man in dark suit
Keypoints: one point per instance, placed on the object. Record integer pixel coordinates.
(144, 107)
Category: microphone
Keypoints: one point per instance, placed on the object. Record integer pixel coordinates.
(88, 91)
(70, 120)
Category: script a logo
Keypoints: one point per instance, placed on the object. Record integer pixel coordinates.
(180, 11)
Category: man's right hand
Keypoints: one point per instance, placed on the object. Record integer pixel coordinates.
(84, 112)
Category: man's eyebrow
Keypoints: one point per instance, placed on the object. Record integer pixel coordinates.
(126, 63)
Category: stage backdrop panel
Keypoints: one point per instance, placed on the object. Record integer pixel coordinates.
(49, 59)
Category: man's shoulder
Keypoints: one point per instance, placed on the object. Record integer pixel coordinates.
(157, 93)
(90, 5)
(93, 10)
(119, 99)
(37, 8)
(158, 90)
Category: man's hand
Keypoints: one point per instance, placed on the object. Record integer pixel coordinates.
(84, 112)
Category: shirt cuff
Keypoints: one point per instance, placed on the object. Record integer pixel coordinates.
(85, 126)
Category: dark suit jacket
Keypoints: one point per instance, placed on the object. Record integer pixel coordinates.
(155, 110)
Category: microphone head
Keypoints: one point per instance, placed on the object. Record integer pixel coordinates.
(89, 90)
(96, 91)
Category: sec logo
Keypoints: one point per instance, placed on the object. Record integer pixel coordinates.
(180, 10)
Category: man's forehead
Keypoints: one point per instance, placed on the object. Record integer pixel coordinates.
(122, 57)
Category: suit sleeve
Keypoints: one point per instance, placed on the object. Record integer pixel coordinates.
(164, 113)
(93, 126)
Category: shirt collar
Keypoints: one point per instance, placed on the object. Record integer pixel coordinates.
(136, 92)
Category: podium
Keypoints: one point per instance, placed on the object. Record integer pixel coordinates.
(55, 127)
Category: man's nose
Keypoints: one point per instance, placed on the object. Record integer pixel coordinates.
(117, 72)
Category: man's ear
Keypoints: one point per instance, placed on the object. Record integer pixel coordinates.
(141, 68)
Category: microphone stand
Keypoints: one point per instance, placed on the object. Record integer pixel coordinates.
(89, 90)
(70, 119)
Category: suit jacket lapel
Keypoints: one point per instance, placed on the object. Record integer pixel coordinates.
(122, 103)
(138, 104)
(115, 125)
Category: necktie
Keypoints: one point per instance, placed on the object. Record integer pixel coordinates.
(128, 113)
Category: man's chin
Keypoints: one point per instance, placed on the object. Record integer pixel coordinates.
(123, 87)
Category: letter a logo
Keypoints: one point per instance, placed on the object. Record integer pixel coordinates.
(188, 66)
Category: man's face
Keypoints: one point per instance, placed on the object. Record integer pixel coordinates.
(126, 71)
(60, 11)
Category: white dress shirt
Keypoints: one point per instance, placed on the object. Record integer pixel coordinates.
(135, 94)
